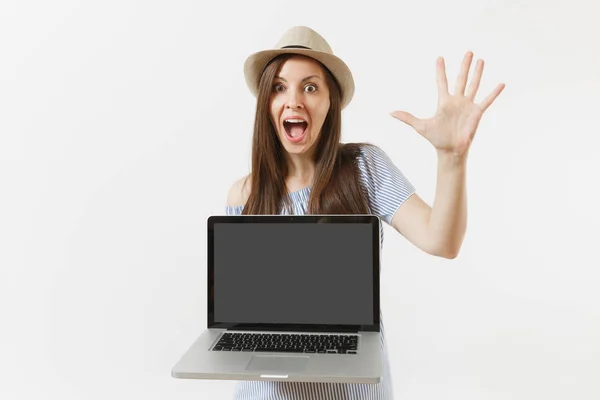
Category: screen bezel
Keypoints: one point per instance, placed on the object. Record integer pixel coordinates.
(372, 220)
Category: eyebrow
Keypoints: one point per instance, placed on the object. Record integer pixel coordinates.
(303, 80)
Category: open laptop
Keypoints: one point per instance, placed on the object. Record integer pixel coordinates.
(290, 298)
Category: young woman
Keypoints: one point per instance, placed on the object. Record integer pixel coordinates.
(300, 166)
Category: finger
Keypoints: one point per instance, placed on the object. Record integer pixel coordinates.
(409, 119)
(474, 86)
(491, 97)
(442, 81)
(461, 81)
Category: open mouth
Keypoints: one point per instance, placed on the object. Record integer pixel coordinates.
(295, 129)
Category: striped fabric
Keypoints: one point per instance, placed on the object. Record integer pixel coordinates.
(386, 189)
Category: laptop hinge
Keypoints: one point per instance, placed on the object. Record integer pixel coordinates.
(292, 329)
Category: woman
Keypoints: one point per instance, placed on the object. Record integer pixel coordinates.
(299, 166)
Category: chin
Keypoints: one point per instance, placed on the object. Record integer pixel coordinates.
(295, 148)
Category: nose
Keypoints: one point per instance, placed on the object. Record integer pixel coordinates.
(294, 100)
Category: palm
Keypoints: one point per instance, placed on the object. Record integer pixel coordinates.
(455, 122)
(453, 126)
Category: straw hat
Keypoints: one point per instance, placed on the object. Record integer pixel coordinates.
(305, 41)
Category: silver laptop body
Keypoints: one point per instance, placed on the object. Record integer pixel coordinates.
(290, 298)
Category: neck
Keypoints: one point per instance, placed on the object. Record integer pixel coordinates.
(301, 168)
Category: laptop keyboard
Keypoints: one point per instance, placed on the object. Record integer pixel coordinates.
(288, 343)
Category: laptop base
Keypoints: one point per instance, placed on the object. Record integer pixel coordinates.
(200, 362)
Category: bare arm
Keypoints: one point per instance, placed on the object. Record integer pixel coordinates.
(239, 192)
(439, 230)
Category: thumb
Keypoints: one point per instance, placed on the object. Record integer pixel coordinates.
(409, 119)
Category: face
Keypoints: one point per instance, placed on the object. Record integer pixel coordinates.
(299, 104)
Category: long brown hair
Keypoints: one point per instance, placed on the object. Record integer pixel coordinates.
(336, 187)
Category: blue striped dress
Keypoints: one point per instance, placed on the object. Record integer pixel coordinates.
(386, 188)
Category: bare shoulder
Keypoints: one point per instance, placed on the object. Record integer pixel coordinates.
(239, 192)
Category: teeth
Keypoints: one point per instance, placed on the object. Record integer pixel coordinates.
(294, 121)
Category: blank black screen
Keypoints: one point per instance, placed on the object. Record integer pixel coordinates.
(293, 273)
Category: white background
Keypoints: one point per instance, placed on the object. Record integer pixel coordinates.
(124, 123)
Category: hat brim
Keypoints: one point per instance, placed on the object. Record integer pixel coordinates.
(255, 64)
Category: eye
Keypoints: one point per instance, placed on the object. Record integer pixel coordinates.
(310, 88)
(278, 87)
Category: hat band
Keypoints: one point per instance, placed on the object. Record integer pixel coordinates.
(296, 47)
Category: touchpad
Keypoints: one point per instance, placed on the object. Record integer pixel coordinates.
(278, 363)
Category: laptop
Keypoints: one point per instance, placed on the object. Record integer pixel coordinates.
(290, 298)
